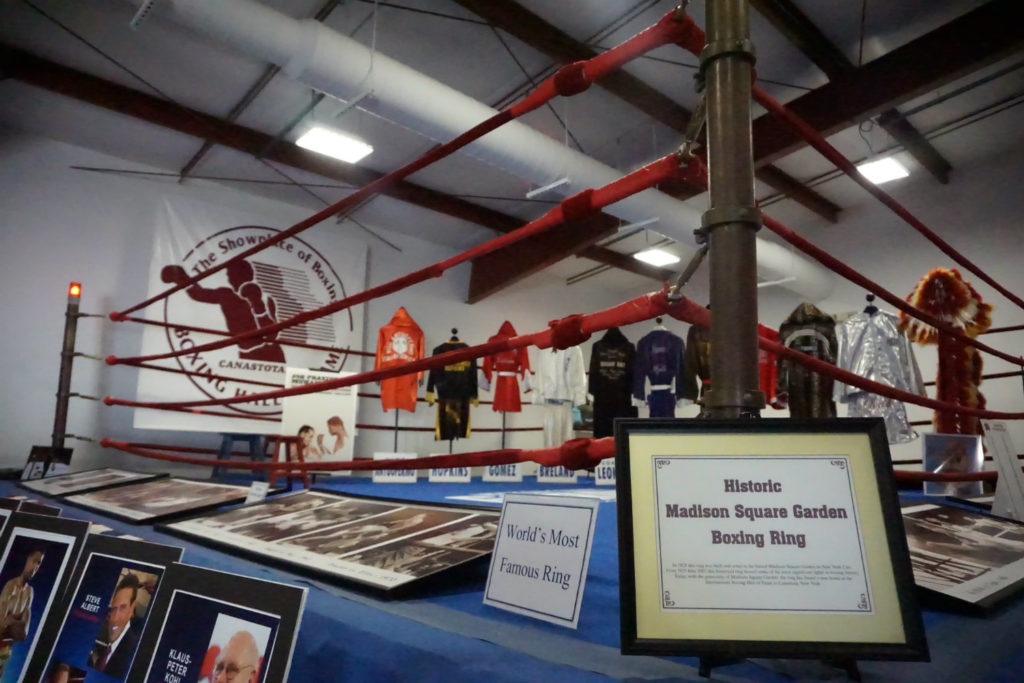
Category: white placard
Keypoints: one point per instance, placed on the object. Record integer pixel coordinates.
(449, 475)
(540, 559)
(555, 475)
(325, 421)
(1009, 498)
(511, 472)
(257, 492)
(759, 533)
(394, 476)
(604, 473)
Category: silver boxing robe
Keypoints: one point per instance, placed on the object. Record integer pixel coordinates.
(872, 346)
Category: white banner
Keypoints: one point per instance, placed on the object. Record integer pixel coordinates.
(299, 274)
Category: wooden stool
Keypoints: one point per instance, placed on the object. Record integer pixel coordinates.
(293, 452)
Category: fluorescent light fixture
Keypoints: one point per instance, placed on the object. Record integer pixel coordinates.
(548, 188)
(334, 144)
(656, 257)
(638, 224)
(773, 283)
(883, 170)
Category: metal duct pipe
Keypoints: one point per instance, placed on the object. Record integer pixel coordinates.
(340, 66)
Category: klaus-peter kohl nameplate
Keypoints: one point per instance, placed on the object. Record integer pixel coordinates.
(759, 533)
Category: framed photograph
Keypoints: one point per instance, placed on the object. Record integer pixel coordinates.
(207, 625)
(377, 543)
(37, 557)
(763, 538)
(951, 453)
(152, 501)
(93, 631)
(87, 480)
(975, 558)
(35, 508)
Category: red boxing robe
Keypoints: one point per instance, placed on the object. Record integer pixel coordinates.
(399, 342)
(508, 367)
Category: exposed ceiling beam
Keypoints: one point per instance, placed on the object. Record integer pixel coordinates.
(563, 49)
(42, 73)
(791, 22)
(966, 44)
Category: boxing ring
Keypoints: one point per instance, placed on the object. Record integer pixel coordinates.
(685, 166)
(380, 641)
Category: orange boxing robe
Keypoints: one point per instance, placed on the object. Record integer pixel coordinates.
(398, 342)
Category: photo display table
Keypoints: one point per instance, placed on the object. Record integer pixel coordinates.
(446, 633)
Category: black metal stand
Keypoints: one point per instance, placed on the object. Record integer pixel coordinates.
(847, 665)
(503, 414)
(709, 663)
(396, 431)
(67, 357)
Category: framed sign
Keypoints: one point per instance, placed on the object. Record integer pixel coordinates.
(383, 544)
(87, 480)
(763, 538)
(148, 502)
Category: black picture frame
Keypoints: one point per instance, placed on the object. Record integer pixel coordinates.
(964, 557)
(56, 543)
(142, 502)
(71, 632)
(180, 635)
(885, 624)
(85, 481)
(449, 537)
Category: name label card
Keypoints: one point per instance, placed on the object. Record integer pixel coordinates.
(511, 472)
(394, 476)
(555, 475)
(257, 492)
(541, 554)
(604, 473)
(449, 475)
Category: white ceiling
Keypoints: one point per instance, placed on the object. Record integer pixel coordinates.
(449, 43)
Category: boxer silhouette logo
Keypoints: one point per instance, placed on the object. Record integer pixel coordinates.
(273, 285)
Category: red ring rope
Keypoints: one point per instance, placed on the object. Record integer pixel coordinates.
(641, 179)
(674, 27)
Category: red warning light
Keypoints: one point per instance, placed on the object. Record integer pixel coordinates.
(75, 289)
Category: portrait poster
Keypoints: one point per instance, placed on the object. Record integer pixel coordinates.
(377, 543)
(93, 631)
(949, 454)
(298, 275)
(973, 557)
(151, 501)
(38, 556)
(208, 625)
(775, 538)
(324, 422)
(87, 480)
